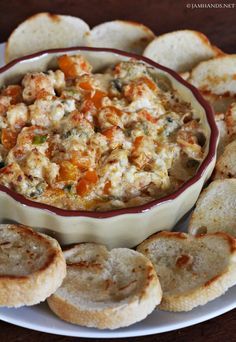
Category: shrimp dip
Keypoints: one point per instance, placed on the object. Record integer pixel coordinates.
(79, 140)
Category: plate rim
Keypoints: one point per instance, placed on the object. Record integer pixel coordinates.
(118, 333)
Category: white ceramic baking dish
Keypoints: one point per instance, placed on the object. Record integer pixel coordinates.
(115, 228)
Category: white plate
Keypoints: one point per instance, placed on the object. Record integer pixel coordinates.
(40, 318)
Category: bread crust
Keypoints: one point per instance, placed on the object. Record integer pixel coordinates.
(28, 289)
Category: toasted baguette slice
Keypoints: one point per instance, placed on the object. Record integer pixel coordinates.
(45, 31)
(216, 80)
(230, 120)
(120, 34)
(181, 50)
(192, 270)
(106, 290)
(216, 209)
(32, 266)
(226, 164)
(223, 132)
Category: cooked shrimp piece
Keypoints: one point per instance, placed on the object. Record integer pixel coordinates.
(58, 80)
(17, 116)
(31, 138)
(99, 143)
(85, 83)
(143, 151)
(38, 165)
(8, 138)
(49, 111)
(110, 116)
(37, 85)
(13, 175)
(82, 159)
(142, 87)
(128, 71)
(115, 137)
(28, 135)
(75, 125)
(14, 178)
(191, 140)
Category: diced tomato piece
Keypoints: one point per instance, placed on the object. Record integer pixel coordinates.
(138, 141)
(151, 85)
(85, 184)
(97, 98)
(150, 118)
(107, 188)
(83, 65)
(88, 106)
(74, 157)
(67, 66)
(83, 164)
(80, 160)
(144, 113)
(67, 171)
(8, 138)
(91, 176)
(114, 110)
(83, 187)
(94, 100)
(109, 133)
(85, 85)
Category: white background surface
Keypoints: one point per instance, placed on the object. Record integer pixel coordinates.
(40, 318)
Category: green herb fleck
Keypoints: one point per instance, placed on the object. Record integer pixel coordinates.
(68, 187)
(38, 190)
(169, 119)
(39, 139)
(2, 164)
(145, 128)
(117, 84)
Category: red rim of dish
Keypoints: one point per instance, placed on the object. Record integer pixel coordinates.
(141, 208)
